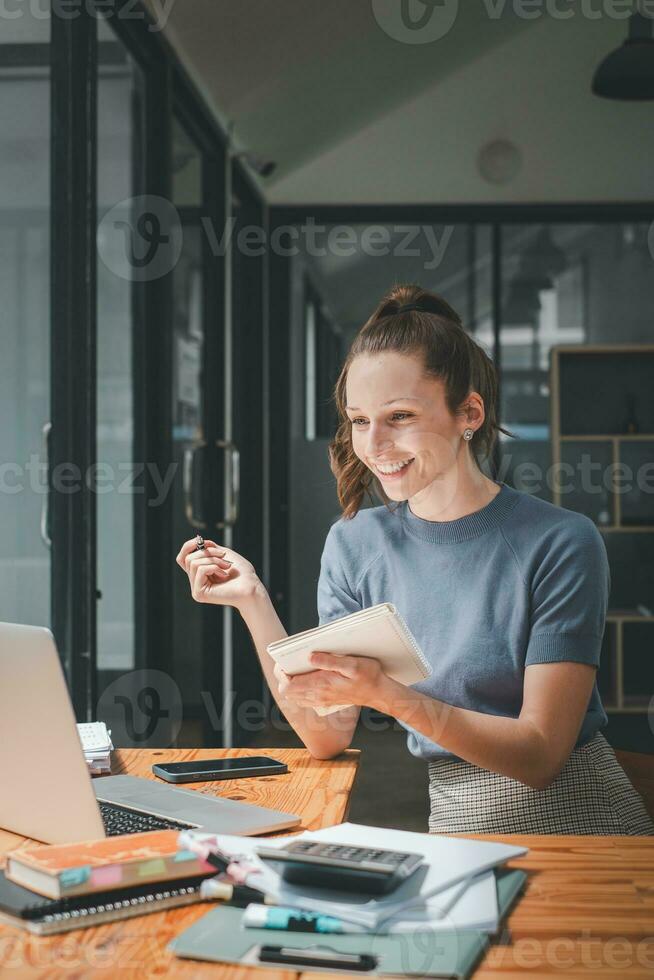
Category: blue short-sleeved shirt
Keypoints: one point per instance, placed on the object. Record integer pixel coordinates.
(519, 582)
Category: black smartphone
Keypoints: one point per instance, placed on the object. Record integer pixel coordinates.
(207, 769)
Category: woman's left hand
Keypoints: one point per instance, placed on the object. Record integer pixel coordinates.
(337, 679)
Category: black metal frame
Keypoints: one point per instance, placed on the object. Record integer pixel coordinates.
(209, 140)
(73, 349)
(479, 214)
(73, 56)
(151, 354)
(247, 430)
(278, 408)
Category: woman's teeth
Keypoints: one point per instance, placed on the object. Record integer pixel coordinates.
(390, 470)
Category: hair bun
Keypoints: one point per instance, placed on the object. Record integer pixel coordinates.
(410, 306)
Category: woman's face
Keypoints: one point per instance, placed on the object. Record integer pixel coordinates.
(401, 427)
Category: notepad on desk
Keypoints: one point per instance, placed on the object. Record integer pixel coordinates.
(378, 632)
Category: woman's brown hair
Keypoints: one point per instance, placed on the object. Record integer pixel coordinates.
(435, 333)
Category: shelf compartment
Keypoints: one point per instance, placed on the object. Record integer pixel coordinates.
(637, 664)
(637, 502)
(585, 491)
(631, 562)
(607, 672)
(623, 376)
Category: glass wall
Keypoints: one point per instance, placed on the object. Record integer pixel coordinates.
(128, 512)
(119, 122)
(559, 284)
(25, 318)
(562, 284)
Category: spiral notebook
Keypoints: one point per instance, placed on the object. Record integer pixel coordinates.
(378, 632)
(44, 916)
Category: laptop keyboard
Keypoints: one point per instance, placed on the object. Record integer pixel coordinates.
(122, 820)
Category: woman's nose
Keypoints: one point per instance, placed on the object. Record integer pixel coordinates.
(378, 442)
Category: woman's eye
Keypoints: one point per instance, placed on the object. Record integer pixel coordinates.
(396, 417)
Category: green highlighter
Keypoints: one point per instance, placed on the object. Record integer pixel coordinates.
(220, 936)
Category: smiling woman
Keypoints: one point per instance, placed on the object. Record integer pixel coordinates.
(444, 389)
(505, 593)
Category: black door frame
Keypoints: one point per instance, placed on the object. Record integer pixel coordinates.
(151, 352)
(248, 327)
(167, 89)
(72, 441)
(205, 134)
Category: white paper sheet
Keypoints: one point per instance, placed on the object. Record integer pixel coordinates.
(448, 862)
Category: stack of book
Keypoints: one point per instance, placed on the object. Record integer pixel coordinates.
(49, 888)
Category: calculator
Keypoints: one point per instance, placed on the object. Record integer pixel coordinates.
(346, 867)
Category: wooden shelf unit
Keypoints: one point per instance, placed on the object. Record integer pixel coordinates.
(564, 435)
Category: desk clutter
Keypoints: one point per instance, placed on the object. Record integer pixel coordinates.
(348, 897)
(224, 935)
(96, 742)
(436, 921)
(50, 888)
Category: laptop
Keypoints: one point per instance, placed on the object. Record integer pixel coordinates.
(46, 791)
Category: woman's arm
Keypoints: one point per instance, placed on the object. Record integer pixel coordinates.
(531, 748)
(221, 576)
(324, 736)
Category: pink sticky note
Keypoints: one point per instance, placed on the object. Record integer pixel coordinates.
(110, 874)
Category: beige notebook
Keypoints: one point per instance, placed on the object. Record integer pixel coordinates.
(378, 632)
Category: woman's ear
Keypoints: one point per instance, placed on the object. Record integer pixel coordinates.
(474, 410)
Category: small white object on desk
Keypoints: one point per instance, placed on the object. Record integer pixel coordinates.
(96, 742)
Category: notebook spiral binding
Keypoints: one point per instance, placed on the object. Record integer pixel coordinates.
(411, 640)
(121, 904)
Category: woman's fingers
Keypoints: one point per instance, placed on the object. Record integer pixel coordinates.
(214, 555)
(303, 687)
(203, 579)
(189, 547)
(198, 564)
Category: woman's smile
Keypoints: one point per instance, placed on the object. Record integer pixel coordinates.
(393, 470)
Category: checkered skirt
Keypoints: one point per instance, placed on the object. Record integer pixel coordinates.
(591, 795)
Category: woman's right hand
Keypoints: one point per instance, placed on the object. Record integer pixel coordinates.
(217, 574)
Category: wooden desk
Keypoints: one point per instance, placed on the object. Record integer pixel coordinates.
(588, 909)
(136, 948)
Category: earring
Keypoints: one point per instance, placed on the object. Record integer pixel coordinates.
(468, 434)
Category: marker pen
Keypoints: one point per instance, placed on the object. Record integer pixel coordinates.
(292, 920)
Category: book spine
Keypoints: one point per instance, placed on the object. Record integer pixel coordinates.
(410, 640)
